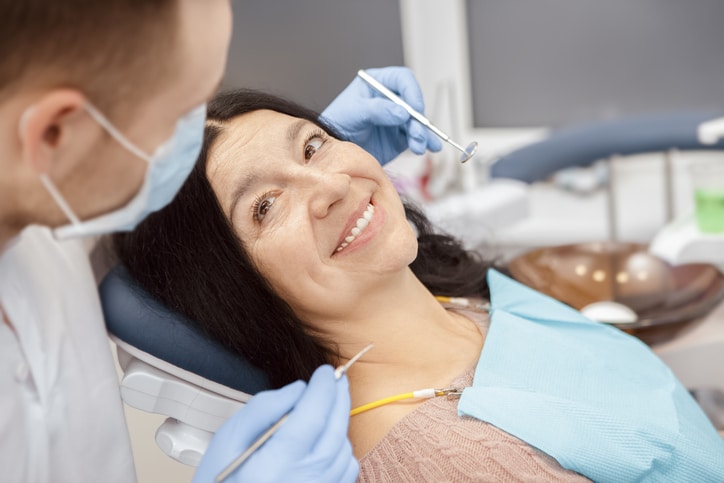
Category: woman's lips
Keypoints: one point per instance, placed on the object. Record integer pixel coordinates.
(359, 226)
(362, 226)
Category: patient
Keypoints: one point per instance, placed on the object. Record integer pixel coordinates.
(293, 248)
(265, 247)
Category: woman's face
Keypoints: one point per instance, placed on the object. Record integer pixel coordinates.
(319, 217)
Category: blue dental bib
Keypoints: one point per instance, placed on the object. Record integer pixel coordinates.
(596, 399)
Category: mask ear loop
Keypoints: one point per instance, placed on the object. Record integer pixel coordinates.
(59, 200)
(117, 135)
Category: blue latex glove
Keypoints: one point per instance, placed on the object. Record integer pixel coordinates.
(384, 129)
(311, 446)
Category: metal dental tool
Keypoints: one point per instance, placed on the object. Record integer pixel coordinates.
(342, 370)
(338, 373)
(467, 152)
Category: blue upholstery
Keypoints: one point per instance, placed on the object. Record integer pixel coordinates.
(136, 318)
(583, 145)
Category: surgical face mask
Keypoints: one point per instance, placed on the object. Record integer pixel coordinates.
(168, 168)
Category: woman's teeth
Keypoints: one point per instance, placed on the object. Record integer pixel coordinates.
(359, 227)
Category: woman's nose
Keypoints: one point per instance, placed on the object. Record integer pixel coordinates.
(326, 189)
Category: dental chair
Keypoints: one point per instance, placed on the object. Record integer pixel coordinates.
(171, 368)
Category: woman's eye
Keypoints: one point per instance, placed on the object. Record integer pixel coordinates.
(312, 147)
(262, 207)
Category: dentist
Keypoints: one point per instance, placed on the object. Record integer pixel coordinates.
(102, 108)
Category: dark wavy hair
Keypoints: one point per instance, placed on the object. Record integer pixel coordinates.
(188, 257)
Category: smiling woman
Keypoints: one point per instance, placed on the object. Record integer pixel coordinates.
(248, 248)
(303, 195)
(292, 248)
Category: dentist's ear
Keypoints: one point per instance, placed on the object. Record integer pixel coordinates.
(47, 124)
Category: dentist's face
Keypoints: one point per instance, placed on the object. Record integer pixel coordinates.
(318, 216)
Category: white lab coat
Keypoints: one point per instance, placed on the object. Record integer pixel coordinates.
(61, 418)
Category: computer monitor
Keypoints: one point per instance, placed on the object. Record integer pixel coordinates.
(505, 71)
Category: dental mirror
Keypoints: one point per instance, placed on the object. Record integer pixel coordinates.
(467, 152)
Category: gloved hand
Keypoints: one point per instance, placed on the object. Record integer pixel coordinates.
(381, 127)
(311, 446)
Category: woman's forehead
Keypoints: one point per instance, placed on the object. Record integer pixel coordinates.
(247, 138)
(256, 130)
(246, 128)
(238, 135)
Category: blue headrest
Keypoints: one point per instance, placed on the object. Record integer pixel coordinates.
(583, 145)
(138, 319)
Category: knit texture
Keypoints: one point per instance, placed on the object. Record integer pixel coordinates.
(433, 443)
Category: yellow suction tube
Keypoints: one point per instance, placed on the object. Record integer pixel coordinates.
(420, 394)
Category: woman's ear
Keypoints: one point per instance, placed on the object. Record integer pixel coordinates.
(45, 125)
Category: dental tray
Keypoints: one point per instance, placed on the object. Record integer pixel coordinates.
(664, 297)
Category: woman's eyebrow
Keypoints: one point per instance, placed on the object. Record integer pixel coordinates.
(295, 128)
(239, 191)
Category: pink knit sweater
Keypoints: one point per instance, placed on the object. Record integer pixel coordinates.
(433, 443)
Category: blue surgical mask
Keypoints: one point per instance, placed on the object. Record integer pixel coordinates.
(168, 168)
(596, 399)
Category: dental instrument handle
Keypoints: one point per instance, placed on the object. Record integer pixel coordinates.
(251, 449)
(375, 84)
(338, 373)
(342, 370)
(467, 152)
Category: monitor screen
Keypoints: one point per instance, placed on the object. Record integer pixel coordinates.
(558, 62)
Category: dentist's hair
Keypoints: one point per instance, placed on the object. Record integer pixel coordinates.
(189, 257)
(105, 48)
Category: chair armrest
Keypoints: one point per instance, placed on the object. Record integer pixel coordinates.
(583, 145)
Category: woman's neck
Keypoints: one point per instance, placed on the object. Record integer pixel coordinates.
(418, 344)
(414, 337)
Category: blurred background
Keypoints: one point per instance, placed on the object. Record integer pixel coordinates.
(532, 63)
(310, 50)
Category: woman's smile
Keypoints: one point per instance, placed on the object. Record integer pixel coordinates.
(357, 226)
